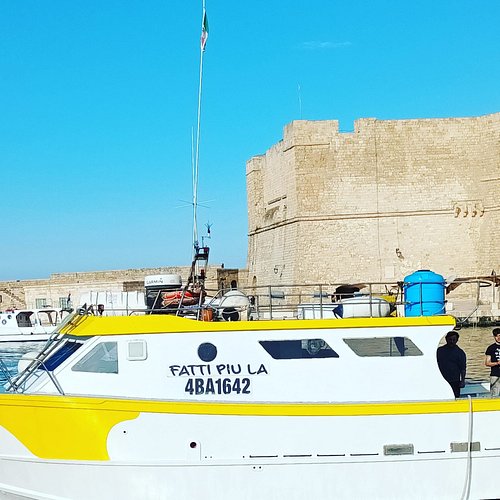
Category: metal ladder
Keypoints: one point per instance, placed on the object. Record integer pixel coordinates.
(16, 384)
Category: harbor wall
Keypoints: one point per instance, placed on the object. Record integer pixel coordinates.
(375, 204)
(54, 290)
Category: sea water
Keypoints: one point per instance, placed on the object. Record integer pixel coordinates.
(11, 353)
(473, 340)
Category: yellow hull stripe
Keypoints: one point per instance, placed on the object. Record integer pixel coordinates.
(76, 428)
(158, 323)
(62, 429)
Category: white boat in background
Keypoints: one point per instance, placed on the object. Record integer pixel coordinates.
(29, 325)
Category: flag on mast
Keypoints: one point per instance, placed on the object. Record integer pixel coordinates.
(204, 31)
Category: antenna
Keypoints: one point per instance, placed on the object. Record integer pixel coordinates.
(208, 236)
(203, 42)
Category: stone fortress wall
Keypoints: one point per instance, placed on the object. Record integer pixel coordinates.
(390, 198)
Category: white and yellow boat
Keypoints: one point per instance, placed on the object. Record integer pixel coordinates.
(160, 406)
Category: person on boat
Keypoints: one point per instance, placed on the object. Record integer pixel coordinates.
(493, 361)
(452, 362)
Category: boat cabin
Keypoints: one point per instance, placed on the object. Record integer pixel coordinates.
(174, 358)
(27, 322)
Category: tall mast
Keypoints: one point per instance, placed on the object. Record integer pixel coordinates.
(203, 41)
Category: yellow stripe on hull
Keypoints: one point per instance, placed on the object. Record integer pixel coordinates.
(72, 428)
(159, 323)
(59, 427)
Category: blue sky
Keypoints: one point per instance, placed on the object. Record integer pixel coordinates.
(98, 100)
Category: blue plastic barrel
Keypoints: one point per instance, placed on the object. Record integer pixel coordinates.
(424, 294)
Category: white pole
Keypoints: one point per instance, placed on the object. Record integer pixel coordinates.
(193, 175)
(198, 128)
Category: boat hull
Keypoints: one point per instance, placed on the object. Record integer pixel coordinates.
(428, 479)
(159, 449)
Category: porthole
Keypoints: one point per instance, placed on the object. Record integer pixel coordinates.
(207, 352)
(4, 321)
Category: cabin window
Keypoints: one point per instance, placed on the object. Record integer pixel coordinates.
(298, 349)
(137, 350)
(383, 347)
(103, 358)
(61, 355)
(24, 319)
(63, 302)
(48, 317)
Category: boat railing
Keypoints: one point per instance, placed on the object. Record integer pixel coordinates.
(248, 303)
(477, 299)
(18, 383)
(331, 300)
(319, 300)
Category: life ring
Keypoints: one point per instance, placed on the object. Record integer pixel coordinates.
(176, 297)
(177, 294)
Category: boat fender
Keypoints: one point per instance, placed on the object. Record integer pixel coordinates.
(26, 360)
